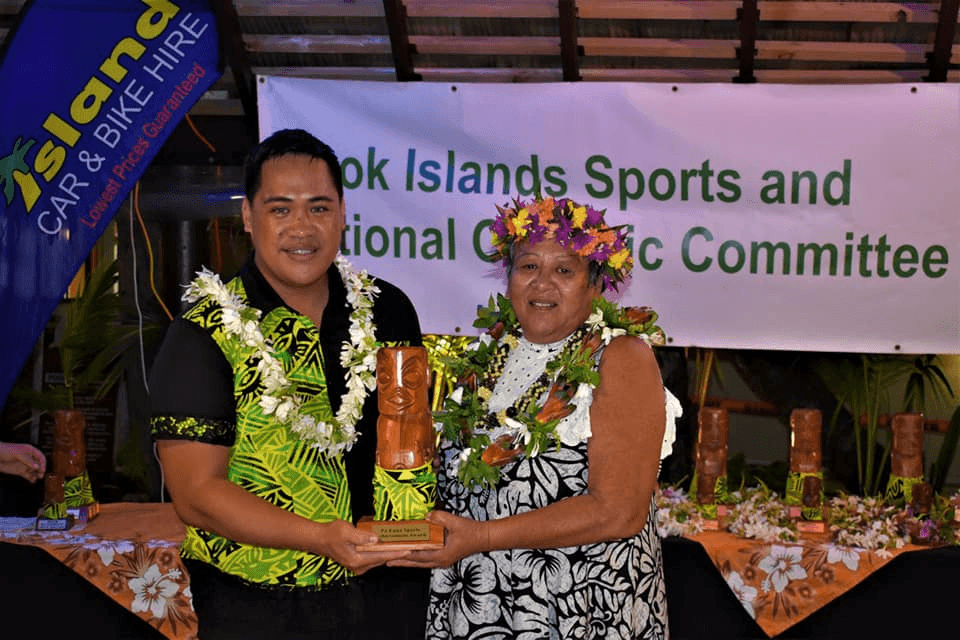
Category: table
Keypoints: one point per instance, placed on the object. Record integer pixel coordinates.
(129, 553)
(124, 564)
(716, 589)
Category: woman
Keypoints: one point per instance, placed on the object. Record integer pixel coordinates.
(551, 447)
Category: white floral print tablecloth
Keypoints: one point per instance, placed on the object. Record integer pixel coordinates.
(780, 583)
(130, 551)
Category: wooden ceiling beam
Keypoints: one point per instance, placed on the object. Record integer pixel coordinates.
(396, 15)
(258, 43)
(943, 41)
(901, 12)
(766, 50)
(871, 52)
(386, 74)
(748, 16)
(233, 53)
(881, 12)
(482, 9)
(569, 50)
(309, 8)
(782, 76)
(658, 10)
(658, 47)
(503, 74)
(487, 45)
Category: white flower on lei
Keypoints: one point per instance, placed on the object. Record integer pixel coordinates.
(782, 565)
(595, 320)
(152, 590)
(575, 428)
(358, 357)
(744, 592)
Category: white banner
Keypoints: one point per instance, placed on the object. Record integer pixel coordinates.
(821, 218)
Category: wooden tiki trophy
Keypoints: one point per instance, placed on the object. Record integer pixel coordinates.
(67, 488)
(804, 494)
(711, 460)
(404, 484)
(906, 457)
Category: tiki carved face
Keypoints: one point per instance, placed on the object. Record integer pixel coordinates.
(906, 455)
(805, 428)
(712, 444)
(405, 436)
(69, 443)
(402, 379)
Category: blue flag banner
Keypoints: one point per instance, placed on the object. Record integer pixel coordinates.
(91, 90)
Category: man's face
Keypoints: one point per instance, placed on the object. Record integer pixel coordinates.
(295, 221)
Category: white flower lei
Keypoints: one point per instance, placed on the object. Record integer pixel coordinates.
(358, 357)
(458, 424)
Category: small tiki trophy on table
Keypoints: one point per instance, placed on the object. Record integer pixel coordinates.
(804, 494)
(68, 494)
(710, 476)
(906, 458)
(404, 484)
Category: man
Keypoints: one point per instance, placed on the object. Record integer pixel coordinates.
(266, 439)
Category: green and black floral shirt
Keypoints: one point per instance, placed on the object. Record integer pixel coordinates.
(204, 389)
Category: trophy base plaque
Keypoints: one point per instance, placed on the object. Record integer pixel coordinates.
(808, 526)
(401, 535)
(84, 514)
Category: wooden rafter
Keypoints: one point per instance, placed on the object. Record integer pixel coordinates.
(943, 40)
(232, 48)
(799, 11)
(396, 15)
(569, 50)
(748, 16)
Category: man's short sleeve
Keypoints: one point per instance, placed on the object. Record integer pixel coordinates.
(191, 388)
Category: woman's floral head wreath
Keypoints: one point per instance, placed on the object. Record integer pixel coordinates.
(575, 226)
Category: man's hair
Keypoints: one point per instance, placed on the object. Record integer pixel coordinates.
(288, 142)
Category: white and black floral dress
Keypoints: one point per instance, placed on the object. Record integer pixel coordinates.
(605, 590)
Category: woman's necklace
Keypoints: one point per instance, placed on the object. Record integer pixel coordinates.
(488, 440)
(241, 324)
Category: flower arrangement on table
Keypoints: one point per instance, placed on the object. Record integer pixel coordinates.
(867, 523)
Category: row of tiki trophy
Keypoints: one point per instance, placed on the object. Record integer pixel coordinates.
(804, 491)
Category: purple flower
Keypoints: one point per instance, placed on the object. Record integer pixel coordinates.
(600, 254)
(498, 228)
(580, 240)
(536, 231)
(564, 227)
(594, 217)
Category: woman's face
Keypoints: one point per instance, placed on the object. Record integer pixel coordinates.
(550, 291)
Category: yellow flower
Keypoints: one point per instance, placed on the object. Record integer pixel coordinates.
(521, 222)
(484, 393)
(617, 259)
(579, 217)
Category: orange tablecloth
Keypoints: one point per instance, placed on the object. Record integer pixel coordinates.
(130, 552)
(779, 584)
